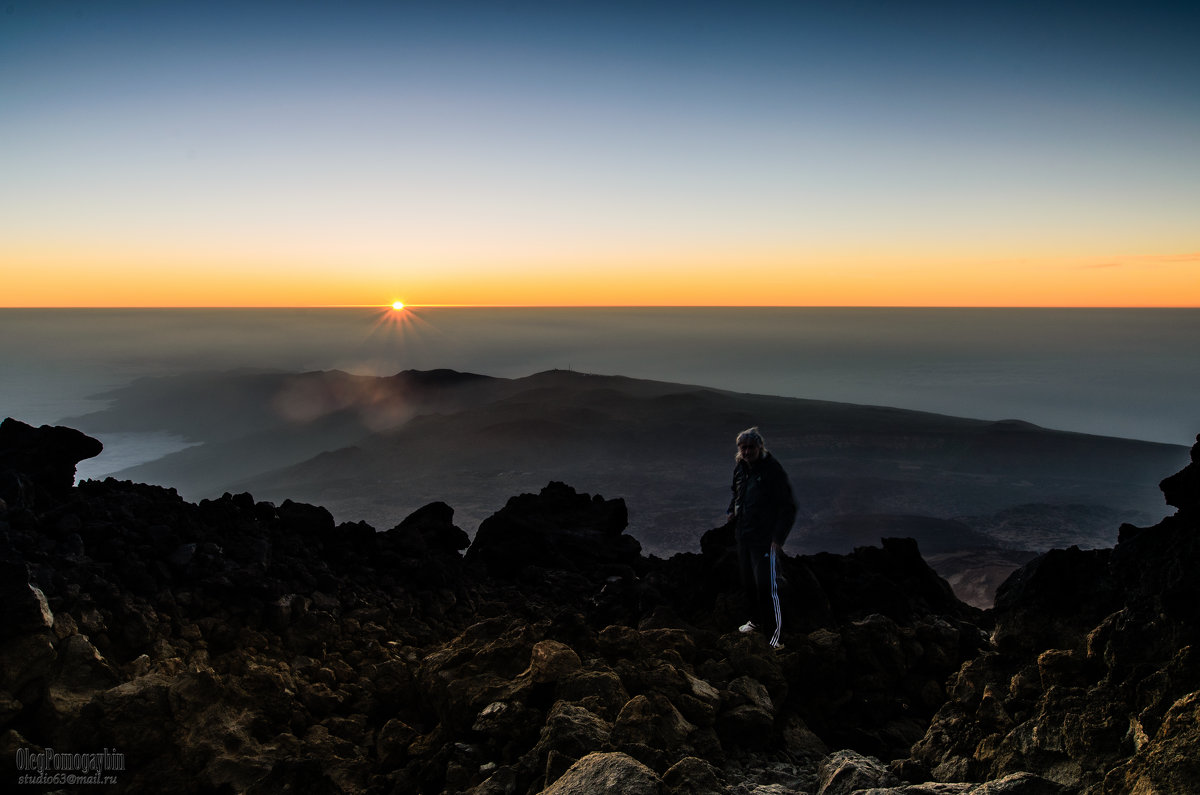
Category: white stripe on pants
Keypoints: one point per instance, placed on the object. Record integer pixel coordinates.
(775, 599)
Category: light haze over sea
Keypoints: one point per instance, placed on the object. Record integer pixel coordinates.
(1132, 373)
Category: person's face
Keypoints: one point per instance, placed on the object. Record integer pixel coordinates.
(749, 452)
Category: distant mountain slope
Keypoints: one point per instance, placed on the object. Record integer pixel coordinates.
(209, 406)
(376, 449)
(247, 423)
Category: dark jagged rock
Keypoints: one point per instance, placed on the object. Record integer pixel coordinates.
(38, 464)
(846, 772)
(891, 579)
(299, 517)
(430, 528)
(1182, 490)
(871, 638)
(1029, 604)
(607, 772)
(242, 646)
(23, 608)
(557, 529)
(1093, 676)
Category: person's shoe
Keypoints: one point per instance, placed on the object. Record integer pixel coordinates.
(778, 646)
(747, 627)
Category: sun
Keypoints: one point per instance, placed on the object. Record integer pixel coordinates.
(397, 305)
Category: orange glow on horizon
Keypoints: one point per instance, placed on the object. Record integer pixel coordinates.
(1159, 279)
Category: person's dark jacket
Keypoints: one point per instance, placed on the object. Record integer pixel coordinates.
(763, 500)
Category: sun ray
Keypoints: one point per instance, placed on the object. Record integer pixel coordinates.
(398, 329)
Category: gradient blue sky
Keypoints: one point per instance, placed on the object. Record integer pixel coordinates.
(169, 153)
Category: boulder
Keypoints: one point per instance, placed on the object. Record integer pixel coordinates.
(38, 464)
(430, 528)
(135, 717)
(83, 665)
(600, 692)
(610, 773)
(392, 741)
(693, 776)
(801, 741)
(1018, 784)
(573, 732)
(1167, 762)
(23, 607)
(1014, 784)
(1029, 604)
(651, 721)
(1182, 490)
(26, 661)
(749, 717)
(551, 661)
(556, 529)
(300, 517)
(846, 772)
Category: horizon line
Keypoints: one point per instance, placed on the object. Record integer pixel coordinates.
(407, 306)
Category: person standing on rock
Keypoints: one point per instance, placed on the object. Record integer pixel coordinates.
(764, 509)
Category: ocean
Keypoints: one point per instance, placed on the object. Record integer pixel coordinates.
(1132, 373)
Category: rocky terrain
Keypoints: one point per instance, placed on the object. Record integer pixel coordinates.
(237, 645)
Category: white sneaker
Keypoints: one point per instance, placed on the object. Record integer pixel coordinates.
(747, 627)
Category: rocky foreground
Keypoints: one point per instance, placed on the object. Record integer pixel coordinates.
(242, 646)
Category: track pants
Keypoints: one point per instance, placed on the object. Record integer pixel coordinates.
(757, 564)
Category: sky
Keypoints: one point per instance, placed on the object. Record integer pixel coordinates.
(586, 153)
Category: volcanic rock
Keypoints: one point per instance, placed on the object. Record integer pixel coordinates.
(38, 464)
(236, 645)
(1182, 489)
(607, 772)
(847, 772)
(1092, 676)
(557, 529)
